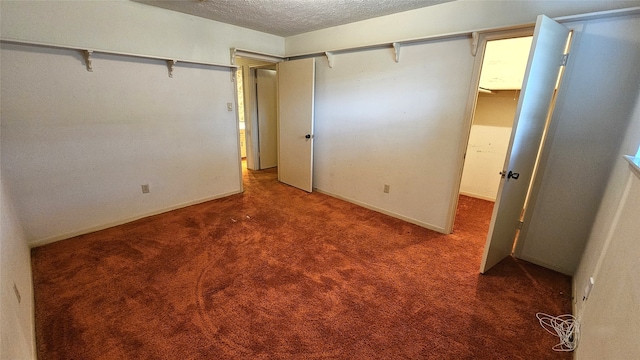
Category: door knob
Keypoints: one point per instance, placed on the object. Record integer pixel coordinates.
(308, 136)
(513, 175)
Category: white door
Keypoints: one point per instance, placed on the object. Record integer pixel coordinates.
(296, 84)
(545, 59)
(266, 82)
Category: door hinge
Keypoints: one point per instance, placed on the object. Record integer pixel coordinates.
(520, 223)
(565, 57)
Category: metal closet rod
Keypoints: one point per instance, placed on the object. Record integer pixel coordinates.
(384, 45)
(87, 51)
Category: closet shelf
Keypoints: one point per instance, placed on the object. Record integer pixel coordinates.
(88, 53)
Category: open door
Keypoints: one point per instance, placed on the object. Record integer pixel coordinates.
(266, 83)
(534, 107)
(296, 84)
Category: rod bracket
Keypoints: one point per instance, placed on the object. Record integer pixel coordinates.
(474, 43)
(170, 65)
(396, 49)
(87, 59)
(329, 56)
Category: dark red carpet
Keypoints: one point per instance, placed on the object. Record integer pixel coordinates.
(276, 273)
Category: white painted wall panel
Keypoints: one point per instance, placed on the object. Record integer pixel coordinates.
(78, 145)
(17, 337)
(610, 315)
(610, 324)
(594, 106)
(381, 122)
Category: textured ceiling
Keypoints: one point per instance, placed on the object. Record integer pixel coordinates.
(290, 17)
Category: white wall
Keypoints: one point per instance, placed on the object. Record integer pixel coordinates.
(379, 157)
(380, 122)
(484, 161)
(126, 26)
(78, 145)
(17, 339)
(450, 17)
(610, 317)
(488, 144)
(594, 105)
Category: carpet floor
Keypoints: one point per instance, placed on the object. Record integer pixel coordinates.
(277, 273)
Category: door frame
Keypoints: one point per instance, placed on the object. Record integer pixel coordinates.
(255, 107)
(251, 115)
(472, 101)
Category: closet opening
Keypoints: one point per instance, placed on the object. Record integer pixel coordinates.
(501, 74)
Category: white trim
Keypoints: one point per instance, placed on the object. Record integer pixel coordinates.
(478, 196)
(254, 55)
(235, 97)
(545, 264)
(40, 242)
(472, 99)
(599, 15)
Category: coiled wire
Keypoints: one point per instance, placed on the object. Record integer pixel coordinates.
(565, 327)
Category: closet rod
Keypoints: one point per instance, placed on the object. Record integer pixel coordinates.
(390, 44)
(121, 53)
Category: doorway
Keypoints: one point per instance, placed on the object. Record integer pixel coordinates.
(292, 88)
(257, 103)
(547, 58)
(267, 115)
(502, 71)
(502, 65)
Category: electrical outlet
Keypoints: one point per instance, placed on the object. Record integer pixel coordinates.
(386, 188)
(145, 188)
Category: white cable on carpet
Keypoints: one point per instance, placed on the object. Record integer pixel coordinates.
(566, 327)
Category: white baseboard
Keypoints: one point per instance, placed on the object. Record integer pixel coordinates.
(386, 212)
(545, 264)
(478, 196)
(40, 242)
